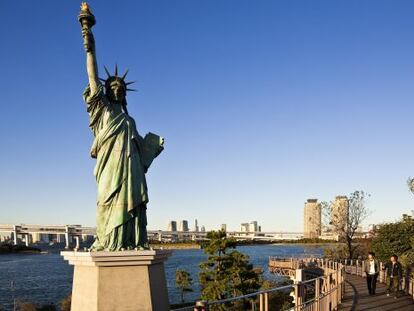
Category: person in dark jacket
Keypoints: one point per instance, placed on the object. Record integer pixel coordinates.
(394, 275)
(371, 271)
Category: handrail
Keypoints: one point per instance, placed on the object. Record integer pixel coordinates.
(359, 265)
(330, 284)
(266, 291)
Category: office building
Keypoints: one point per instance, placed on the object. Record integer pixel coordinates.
(312, 223)
(183, 226)
(172, 226)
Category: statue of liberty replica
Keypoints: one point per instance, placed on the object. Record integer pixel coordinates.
(122, 155)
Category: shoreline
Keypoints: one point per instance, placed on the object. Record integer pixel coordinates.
(18, 249)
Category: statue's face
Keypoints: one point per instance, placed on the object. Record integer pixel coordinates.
(116, 92)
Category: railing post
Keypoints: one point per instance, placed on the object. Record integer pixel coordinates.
(329, 287)
(343, 281)
(261, 302)
(363, 268)
(382, 272)
(201, 306)
(298, 296)
(266, 302)
(403, 284)
(317, 294)
(338, 288)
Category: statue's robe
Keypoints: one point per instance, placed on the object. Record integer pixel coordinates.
(123, 158)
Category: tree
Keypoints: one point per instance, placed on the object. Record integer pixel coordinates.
(183, 281)
(347, 218)
(410, 183)
(395, 238)
(226, 273)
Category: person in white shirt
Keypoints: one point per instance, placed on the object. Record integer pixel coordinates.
(371, 271)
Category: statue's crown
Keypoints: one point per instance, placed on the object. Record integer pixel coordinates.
(110, 78)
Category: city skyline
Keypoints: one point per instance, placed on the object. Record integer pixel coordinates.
(262, 106)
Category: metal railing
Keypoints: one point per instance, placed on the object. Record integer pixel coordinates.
(357, 267)
(317, 294)
(327, 290)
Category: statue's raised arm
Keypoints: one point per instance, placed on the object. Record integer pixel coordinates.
(87, 20)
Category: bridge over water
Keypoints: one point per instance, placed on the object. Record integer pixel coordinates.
(74, 234)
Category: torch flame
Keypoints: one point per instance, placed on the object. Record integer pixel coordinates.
(84, 6)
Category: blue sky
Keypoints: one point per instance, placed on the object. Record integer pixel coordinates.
(263, 104)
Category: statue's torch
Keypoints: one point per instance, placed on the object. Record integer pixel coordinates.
(87, 20)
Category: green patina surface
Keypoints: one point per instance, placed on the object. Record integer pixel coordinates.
(123, 156)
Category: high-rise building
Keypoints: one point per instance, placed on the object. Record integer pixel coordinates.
(312, 219)
(172, 226)
(223, 227)
(203, 229)
(244, 227)
(253, 226)
(183, 225)
(250, 227)
(196, 225)
(339, 215)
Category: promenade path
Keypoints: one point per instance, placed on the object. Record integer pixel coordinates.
(356, 290)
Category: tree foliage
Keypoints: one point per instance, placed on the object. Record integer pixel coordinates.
(340, 250)
(347, 223)
(184, 282)
(410, 184)
(227, 272)
(395, 238)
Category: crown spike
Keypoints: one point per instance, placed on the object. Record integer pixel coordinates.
(103, 80)
(125, 74)
(133, 90)
(116, 70)
(131, 82)
(107, 72)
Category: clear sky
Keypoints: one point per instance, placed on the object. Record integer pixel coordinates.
(263, 104)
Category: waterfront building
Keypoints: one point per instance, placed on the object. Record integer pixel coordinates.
(339, 215)
(250, 227)
(196, 226)
(223, 227)
(244, 227)
(183, 226)
(312, 219)
(203, 229)
(253, 226)
(172, 225)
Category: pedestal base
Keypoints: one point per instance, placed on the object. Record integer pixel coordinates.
(119, 281)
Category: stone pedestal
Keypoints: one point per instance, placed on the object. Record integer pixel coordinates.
(119, 281)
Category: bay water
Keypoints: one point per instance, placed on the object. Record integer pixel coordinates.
(47, 278)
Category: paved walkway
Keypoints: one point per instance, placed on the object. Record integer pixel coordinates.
(356, 290)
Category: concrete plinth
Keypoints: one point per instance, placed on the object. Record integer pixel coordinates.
(119, 281)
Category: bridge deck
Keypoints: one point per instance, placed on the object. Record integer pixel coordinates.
(379, 302)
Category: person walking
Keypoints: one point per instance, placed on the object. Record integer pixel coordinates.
(371, 271)
(394, 276)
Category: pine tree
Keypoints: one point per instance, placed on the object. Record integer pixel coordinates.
(183, 281)
(227, 272)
